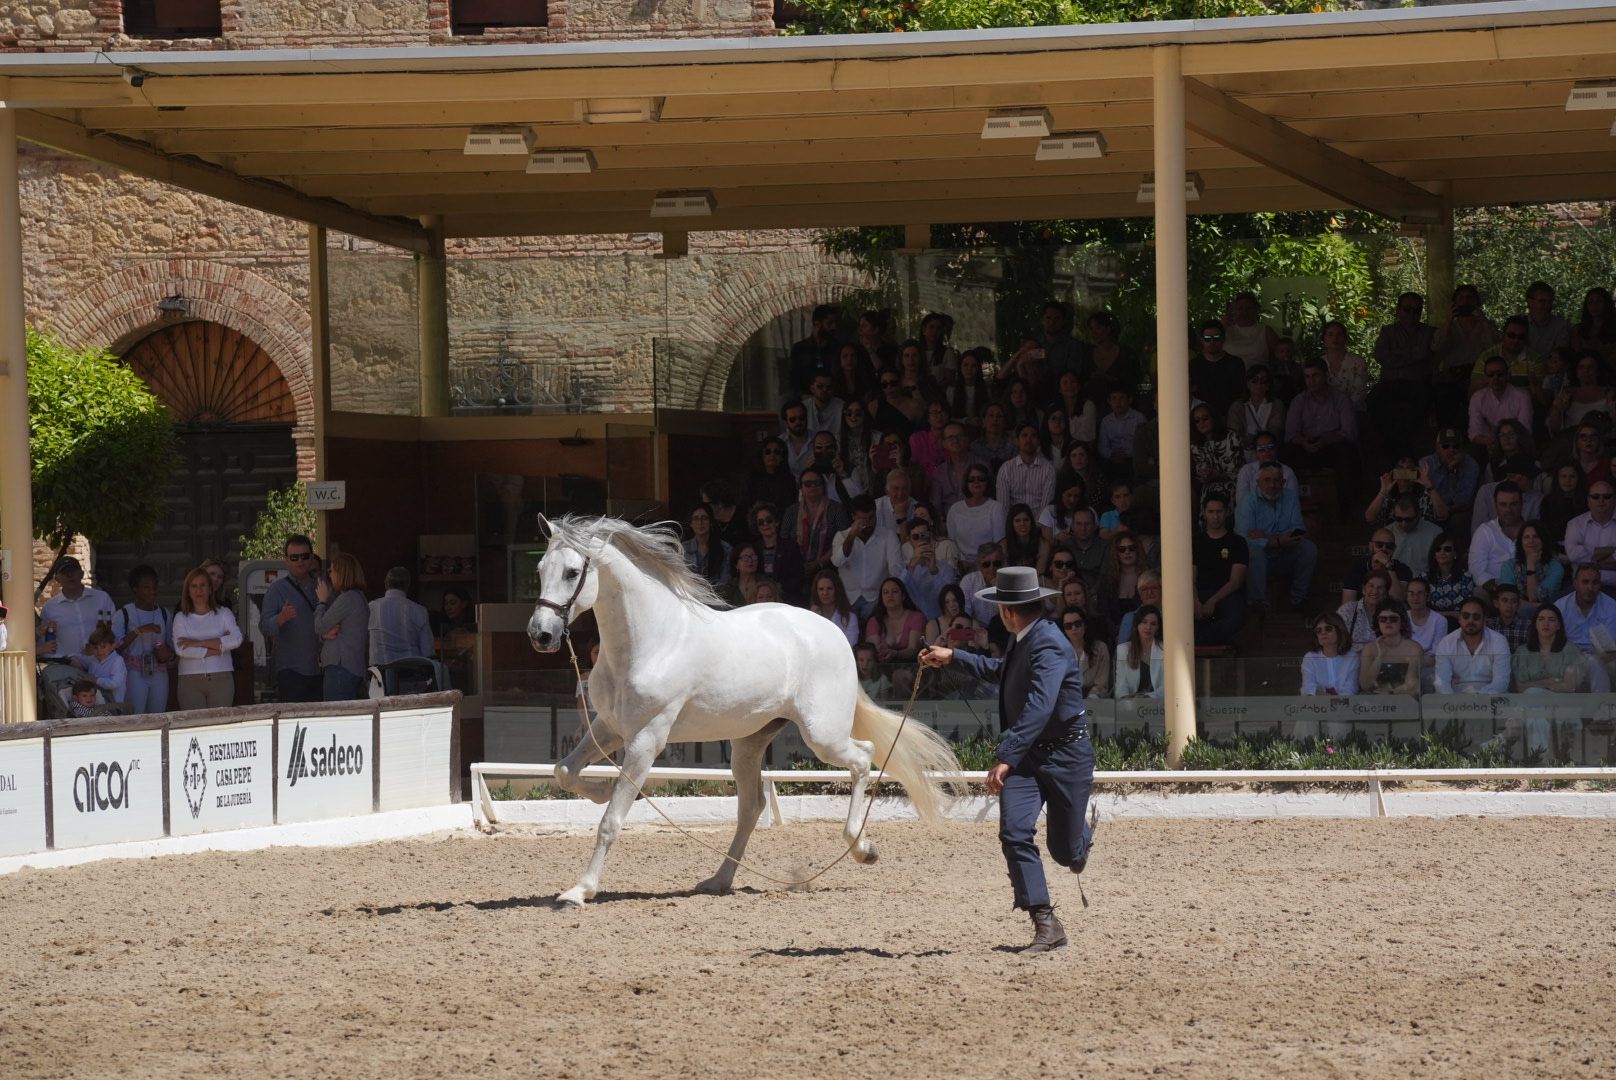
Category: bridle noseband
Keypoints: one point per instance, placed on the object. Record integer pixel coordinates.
(565, 610)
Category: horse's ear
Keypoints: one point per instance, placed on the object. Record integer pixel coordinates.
(545, 532)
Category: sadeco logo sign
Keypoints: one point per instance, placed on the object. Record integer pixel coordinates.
(306, 763)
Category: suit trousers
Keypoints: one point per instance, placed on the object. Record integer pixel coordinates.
(1060, 780)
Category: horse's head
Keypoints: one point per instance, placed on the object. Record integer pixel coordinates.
(568, 585)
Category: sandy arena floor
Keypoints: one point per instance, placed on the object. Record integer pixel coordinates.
(1394, 948)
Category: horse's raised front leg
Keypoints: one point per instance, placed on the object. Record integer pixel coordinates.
(569, 770)
(746, 762)
(637, 759)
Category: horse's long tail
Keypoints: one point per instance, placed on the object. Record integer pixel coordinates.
(922, 761)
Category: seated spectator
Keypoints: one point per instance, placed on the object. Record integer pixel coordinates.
(1259, 411)
(874, 336)
(874, 683)
(1472, 659)
(896, 627)
(103, 666)
(813, 521)
(1217, 377)
(1591, 452)
(1078, 467)
(950, 605)
(1139, 659)
(1546, 660)
(853, 378)
(946, 480)
(1451, 585)
(1345, 370)
(858, 442)
(938, 356)
(1496, 402)
(1545, 331)
(924, 575)
(1271, 522)
(888, 410)
(1264, 449)
(1321, 432)
(779, 556)
(1332, 669)
(1216, 455)
(1055, 523)
(895, 507)
(1024, 545)
(205, 636)
(729, 522)
(948, 552)
(767, 591)
(921, 389)
(798, 438)
(1511, 449)
(1409, 479)
(1458, 342)
(989, 560)
(1119, 584)
(772, 482)
(1454, 477)
(86, 699)
(1062, 568)
(827, 597)
(1566, 498)
(705, 553)
(1584, 394)
(1029, 477)
(1591, 537)
(841, 479)
(1382, 555)
(1054, 435)
(1521, 364)
(1117, 428)
(1074, 596)
(824, 408)
(1358, 616)
(1534, 569)
(1590, 622)
(1088, 551)
(926, 446)
(968, 395)
(1111, 522)
(977, 518)
(1494, 542)
(1220, 561)
(1082, 418)
(817, 352)
(743, 575)
(1111, 363)
(1149, 594)
(1522, 472)
(1412, 535)
(865, 556)
(1391, 663)
(1018, 406)
(997, 443)
(1093, 655)
(1596, 327)
(1508, 619)
(1426, 628)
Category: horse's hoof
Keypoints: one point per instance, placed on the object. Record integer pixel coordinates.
(572, 898)
(864, 853)
(714, 887)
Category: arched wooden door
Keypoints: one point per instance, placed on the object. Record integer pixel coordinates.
(235, 413)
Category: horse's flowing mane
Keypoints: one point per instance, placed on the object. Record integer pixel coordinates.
(655, 549)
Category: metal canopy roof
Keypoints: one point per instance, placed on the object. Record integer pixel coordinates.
(1391, 112)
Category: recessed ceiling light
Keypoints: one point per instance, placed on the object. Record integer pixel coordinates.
(561, 161)
(677, 204)
(619, 110)
(1587, 96)
(1071, 145)
(1192, 188)
(1017, 124)
(482, 141)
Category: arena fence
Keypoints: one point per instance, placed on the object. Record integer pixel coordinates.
(485, 806)
(104, 780)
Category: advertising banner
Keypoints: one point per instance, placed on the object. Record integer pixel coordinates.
(221, 778)
(416, 753)
(107, 788)
(22, 796)
(325, 767)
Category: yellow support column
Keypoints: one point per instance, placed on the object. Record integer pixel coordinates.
(16, 497)
(1439, 269)
(432, 313)
(320, 320)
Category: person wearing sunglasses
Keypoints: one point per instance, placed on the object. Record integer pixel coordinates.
(1218, 378)
(288, 623)
(1473, 659)
(1451, 583)
(1497, 401)
(1391, 663)
(1591, 537)
(772, 481)
(1259, 411)
(1331, 669)
(1455, 476)
(1514, 349)
(1412, 533)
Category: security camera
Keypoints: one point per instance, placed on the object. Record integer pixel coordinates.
(136, 79)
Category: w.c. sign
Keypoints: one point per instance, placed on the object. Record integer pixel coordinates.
(328, 494)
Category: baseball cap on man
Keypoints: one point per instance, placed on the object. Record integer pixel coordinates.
(1448, 437)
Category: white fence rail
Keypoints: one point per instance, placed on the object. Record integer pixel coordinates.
(483, 802)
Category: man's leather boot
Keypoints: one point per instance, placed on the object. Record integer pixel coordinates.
(1048, 933)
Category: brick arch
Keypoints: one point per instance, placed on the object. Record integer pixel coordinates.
(770, 288)
(120, 309)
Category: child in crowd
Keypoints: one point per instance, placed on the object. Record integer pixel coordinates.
(1121, 503)
(874, 683)
(103, 665)
(86, 698)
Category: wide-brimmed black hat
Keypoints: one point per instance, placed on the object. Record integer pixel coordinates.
(1015, 585)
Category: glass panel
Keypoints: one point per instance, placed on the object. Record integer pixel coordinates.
(375, 335)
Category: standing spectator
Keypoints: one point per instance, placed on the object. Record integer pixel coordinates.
(817, 352)
(1590, 538)
(1586, 392)
(1218, 378)
(1494, 543)
(1248, 337)
(997, 443)
(938, 356)
(857, 441)
(1332, 669)
(1049, 350)
(854, 376)
(772, 482)
(1596, 327)
(73, 613)
(1264, 449)
(1220, 558)
(897, 628)
(342, 619)
(1216, 455)
(1271, 522)
(705, 553)
(1454, 476)
(1117, 430)
(204, 637)
(1082, 418)
(1029, 477)
(1412, 534)
(103, 666)
(989, 560)
(1513, 624)
(1024, 545)
(814, 520)
(1259, 410)
(874, 336)
(975, 519)
(1391, 663)
(924, 575)
(1545, 331)
(967, 397)
(1497, 402)
(779, 556)
(798, 438)
(865, 556)
(1451, 584)
(1458, 342)
(1547, 661)
(888, 409)
(1112, 365)
(823, 406)
(828, 598)
(1472, 659)
(1093, 654)
(947, 477)
(141, 630)
(1346, 370)
(398, 627)
(1139, 659)
(1400, 399)
(1590, 623)
(288, 622)
(1534, 569)
(1321, 432)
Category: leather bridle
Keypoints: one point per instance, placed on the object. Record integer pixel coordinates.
(565, 610)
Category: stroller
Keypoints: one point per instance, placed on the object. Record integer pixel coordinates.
(56, 679)
(411, 675)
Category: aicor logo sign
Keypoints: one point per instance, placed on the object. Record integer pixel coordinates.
(103, 786)
(318, 761)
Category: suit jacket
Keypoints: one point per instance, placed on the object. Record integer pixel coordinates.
(1040, 687)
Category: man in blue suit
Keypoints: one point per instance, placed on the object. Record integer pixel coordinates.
(1044, 757)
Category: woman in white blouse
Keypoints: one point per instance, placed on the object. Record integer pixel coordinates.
(1136, 675)
(1348, 372)
(204, 638)
(976, 519)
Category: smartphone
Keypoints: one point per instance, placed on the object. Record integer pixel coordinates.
(1405, 474)
(885, 456)
(962, 635)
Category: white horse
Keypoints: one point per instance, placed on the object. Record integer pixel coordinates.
(674, 668)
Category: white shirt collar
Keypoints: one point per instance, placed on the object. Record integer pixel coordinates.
(1025, 630)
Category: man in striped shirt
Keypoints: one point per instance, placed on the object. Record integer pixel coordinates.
(1029, 477)
(399, 627)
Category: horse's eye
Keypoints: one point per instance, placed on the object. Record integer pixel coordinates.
(570, 574)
